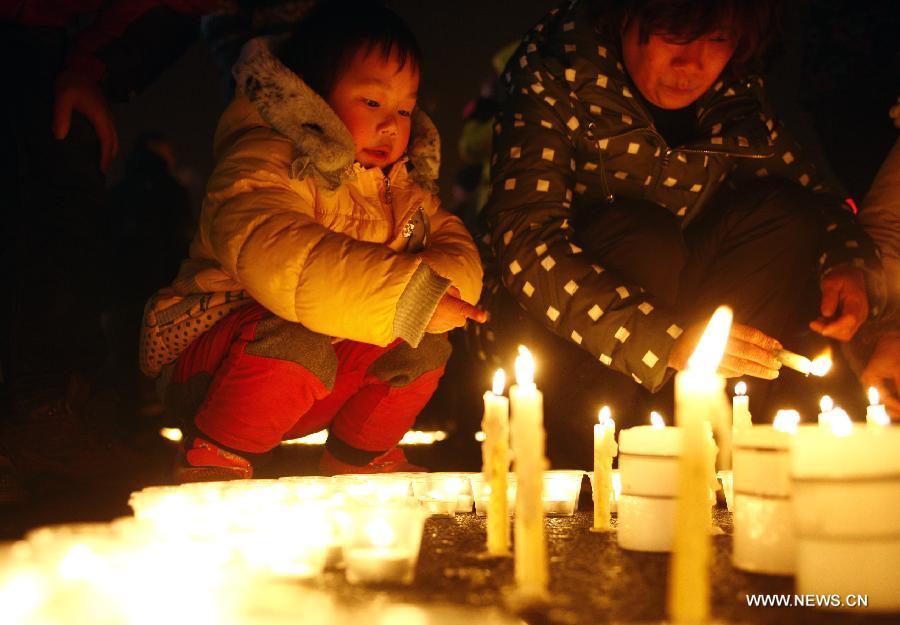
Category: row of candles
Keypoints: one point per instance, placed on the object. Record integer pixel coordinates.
(668, 480)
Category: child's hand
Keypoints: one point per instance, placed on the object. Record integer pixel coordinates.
(452, 312)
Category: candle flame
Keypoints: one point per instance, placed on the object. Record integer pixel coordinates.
(171, 434)
(840, 423)
(499, 382)
(826, 404)
(787, 421)
(524, 367)
(821, 365)
(480, 436)
(604, 417)
(873, 396)
(740, 388)
(380, 533)
(709, 351)
(656, 420)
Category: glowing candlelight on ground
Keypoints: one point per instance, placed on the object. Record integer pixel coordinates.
(527, 430)
(383, 543)
(605, 449)
(495, 464)
(876, 414)
(561, 491)
(699, 402)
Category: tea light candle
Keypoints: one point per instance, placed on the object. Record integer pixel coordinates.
(605, 449)
(482, 492)
(763, 524)
(527, 430)
(561, 491)
(495, 464)
(699, 402)
(876, 415)
(845, 484)
(383, 544)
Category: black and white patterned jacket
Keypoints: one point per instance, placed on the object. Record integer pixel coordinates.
(572, 133)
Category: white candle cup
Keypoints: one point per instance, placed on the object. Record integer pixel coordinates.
(482, 492)
(616, 491)
(383, 544)
(561, 491)
(763, 523)
(846, 492)
(648, 466)
(464, 498)
(438, 493)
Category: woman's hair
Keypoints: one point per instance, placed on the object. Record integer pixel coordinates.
(753, 23)
(324, 42)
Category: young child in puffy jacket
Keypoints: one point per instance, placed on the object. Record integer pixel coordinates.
(324, 274)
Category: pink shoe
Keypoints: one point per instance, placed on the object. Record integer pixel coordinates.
(391, 461)
(206, 462)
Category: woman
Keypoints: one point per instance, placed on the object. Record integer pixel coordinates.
(639, 180)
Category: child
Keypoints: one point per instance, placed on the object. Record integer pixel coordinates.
(324, 274)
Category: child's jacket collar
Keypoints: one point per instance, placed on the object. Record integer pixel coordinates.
(324, 147)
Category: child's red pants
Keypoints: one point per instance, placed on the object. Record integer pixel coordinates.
(255, 379)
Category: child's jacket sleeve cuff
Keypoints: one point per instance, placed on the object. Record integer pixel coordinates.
(417, 304)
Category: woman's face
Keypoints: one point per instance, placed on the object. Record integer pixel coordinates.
(673, 75)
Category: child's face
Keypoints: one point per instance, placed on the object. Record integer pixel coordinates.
(374, 97)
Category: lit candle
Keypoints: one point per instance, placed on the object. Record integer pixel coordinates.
(740, 406)
(845, 485)
(527, 434)
(383, 543)
(876, 415)
(699, 401)
(818, 367)
(495, 464)
(605, 449)
(826, 411)
(561, 491)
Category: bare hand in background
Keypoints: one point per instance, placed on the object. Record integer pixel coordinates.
(75, 93)
(883, 372)
(845, 305)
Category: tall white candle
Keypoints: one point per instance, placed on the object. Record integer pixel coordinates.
(495, 456)
(876, 415)
(699, 400)
(740, 406)
(604, 450)
(527, 429)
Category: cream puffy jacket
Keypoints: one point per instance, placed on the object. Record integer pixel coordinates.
(290, 221)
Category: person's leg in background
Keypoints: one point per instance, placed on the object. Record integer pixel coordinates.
(643, 244)
(755, 250)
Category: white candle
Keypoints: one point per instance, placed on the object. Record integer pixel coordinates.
(605, 449)
(495, 457)
(763, 525)
(876, 415)
(699, 401)
(845, 484)
(527, 430)
(826, 411)
(648, 471)
(740, 406)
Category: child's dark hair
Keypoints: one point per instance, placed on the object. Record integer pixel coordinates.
(324, 41)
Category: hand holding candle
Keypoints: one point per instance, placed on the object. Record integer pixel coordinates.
(748, 351)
